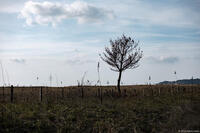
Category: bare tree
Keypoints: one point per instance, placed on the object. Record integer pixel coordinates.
(123, 54)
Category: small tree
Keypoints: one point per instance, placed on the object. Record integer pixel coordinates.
(123, 54)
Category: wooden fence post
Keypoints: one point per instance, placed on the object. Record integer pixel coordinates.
(62, 92)
(11, 93)
(172, 90)
(159, 91)
(3, 95)
(151, 88)
(143, 92)
(41, 93)
(82, 95)
(112, 93)
(98, 92)
(101, 96)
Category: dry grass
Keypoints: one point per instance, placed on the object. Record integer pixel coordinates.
(140, 109)
(32, 94)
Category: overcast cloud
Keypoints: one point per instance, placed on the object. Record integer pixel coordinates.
(53, 13)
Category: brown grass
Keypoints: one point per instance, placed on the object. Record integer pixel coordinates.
(53, 94)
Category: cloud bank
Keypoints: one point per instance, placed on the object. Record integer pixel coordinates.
(44, 13)
(79, 62)
(164, 59)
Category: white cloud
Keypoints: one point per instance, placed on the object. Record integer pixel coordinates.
(53, 13)
(79, 61)
(163, 59)
(18, 60)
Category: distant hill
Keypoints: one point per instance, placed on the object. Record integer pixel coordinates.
(182, 81)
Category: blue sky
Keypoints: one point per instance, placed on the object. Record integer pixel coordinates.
(63, 39)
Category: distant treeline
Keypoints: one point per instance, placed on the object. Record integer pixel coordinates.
(182, 81)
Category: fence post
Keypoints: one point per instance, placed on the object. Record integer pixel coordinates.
(143, 92)
(159, 90)
(82, 95)
(11, 93)
(151, 88)
(63, 92)
(3, 95)
(41, 91)
(112, 93)
(177, 88)
(172, 90)
(101, 95)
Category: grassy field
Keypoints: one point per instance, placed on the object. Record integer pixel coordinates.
(140, 109)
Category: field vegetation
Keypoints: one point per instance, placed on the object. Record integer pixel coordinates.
(138, 109)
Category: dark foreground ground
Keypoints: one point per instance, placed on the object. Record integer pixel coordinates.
(170, 113)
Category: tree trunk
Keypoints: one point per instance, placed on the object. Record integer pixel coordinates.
(118, 82)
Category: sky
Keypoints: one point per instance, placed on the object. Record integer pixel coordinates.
(62, 39)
